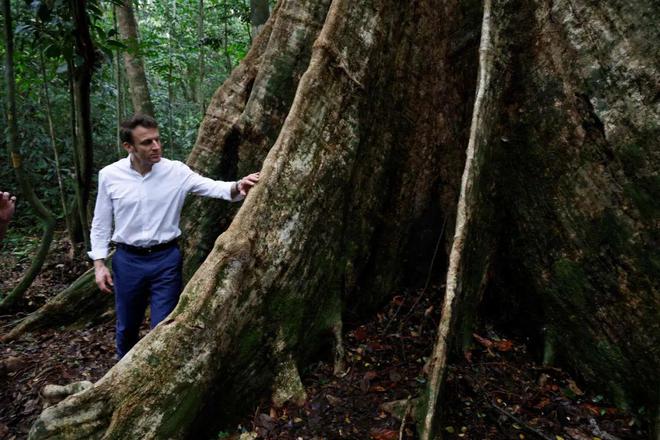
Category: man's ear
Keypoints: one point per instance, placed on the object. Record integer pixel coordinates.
(128, 147)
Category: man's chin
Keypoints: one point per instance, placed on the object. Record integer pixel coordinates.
(155, 159)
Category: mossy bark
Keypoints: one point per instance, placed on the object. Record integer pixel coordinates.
(475, 234)
(579, 146)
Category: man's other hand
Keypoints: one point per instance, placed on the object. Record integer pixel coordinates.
(7, 206)
(247, 182)
(103, 277)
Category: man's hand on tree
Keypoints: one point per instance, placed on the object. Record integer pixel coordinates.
(103, 277)
(7, 207)
(247, 182)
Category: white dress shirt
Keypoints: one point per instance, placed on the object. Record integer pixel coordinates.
(146, 209)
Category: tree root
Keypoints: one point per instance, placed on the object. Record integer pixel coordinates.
(80, 303)
(473, 240)
(52, 394)
(288, 386)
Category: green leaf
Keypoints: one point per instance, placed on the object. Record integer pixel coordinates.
(52, 51)
(115, 44)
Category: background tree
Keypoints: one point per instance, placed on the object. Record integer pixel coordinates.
(27, 191)
(137, 80)
(259, 11)
(80, 69)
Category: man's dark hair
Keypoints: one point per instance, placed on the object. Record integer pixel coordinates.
(137, 120)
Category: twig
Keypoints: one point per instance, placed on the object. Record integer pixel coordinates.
(426, 284)
(403, 419)
(519, 421)
(428, 275)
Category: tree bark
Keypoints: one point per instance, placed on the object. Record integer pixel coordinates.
(81, 69)
(259, 12)
(474, 237)
(133, 63)
(552, 199)
(70, 226)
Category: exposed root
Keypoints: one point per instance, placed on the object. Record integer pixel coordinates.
(340, 354)
(52, 394)
(81, 302)
(288, 386)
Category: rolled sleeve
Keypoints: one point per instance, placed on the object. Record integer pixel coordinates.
(102, 223)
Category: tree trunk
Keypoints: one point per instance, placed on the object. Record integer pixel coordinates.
(259, 12)
(137, 79)
(81, 69)
(70, 227)
(201, 100)
(47, 218)
(552, 199)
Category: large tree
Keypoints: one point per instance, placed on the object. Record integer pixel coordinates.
(544, 168)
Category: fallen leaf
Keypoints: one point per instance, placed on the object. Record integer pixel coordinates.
(334, 401)
(360, 333)
(483, 341)
(383, 434)
(573, 387)
(394, 376)
(503, 345)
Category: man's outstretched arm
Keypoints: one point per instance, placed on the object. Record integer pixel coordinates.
(7, 208)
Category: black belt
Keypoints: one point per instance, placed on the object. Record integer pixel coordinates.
(147, 250)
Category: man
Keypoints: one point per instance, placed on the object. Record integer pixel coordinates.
(144, 194)
(7, 208)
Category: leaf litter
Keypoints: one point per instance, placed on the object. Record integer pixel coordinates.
(495, 391)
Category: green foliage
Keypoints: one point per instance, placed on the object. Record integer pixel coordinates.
(171, 46)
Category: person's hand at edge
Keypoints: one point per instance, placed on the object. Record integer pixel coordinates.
(247, 182)
(7, 207)
(103, 277)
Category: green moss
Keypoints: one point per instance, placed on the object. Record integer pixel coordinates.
(570, 282)
(153, 360)
(645, 193)
(182, 408)
(249, 342)
(288, 312)
(608, 231)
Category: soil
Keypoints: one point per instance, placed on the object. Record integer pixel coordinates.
(495, 391)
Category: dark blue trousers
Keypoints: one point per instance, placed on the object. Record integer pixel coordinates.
(141, 279)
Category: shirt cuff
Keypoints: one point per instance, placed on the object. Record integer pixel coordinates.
(239, 196)
(98, 254)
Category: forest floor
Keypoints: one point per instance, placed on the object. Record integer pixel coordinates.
(496, 391)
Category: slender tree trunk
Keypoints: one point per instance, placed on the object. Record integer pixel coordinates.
(225, 38)
(133, 63)
(170, 77)
(82, 77)
(70, 227)
(119, 101)
(200, 38)
(27, 190)
(474, 237)
(259, 12)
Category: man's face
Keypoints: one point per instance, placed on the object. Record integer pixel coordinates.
(146, 146)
